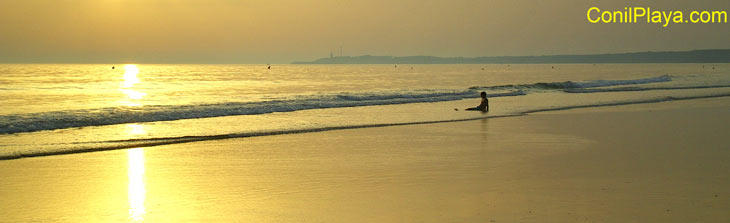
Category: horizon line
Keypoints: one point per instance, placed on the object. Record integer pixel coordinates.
(362, 55)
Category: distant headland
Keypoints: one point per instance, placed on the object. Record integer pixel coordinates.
(694, 56)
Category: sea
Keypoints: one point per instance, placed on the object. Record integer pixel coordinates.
(54, 109)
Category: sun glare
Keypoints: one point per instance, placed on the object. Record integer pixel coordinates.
(132, 94)
(130, 75)
(135, 129)
(136, 192)
(130, 79)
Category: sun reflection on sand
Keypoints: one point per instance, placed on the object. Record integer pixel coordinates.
(130, 79)
(136, 192)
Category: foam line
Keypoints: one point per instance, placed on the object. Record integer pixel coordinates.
(622, 89)
(577, 85)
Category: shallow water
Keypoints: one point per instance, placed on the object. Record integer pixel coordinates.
(610, 164)
(52, 109)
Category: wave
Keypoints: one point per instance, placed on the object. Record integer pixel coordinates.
(52, 120)
(577, 85)
(32, 122)
(621, 89)
(147, 142)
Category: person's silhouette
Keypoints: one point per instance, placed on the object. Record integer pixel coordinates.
(484, 106)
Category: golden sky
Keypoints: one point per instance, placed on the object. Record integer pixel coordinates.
(281, 31)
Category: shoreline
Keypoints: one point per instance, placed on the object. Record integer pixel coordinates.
(632, 163)
(188, 139)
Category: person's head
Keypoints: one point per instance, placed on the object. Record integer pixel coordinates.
(484, 94)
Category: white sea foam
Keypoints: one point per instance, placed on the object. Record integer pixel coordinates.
(623, 89)
(578, 85)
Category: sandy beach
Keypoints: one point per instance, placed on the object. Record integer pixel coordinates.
(455, 111)
(658, 162)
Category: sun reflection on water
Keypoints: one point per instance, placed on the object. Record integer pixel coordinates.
(136, 192)
(130, 75)
(136, 129)
(130, 79)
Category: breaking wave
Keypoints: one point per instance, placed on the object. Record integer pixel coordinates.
(577, 85)
(52, 120)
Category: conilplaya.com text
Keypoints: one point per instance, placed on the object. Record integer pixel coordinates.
(642, 14)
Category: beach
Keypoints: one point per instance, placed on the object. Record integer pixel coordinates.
(653, 162)
(364, 111)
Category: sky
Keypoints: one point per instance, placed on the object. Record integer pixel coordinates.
(282, 31)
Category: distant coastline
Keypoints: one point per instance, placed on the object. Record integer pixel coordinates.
(694, 56)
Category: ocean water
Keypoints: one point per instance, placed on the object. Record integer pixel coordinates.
(52, 109)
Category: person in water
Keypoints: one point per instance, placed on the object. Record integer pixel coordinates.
(484, 106)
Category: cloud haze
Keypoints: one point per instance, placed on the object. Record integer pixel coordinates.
(281, 31)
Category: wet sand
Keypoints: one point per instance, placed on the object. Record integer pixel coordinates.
(660, 162)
